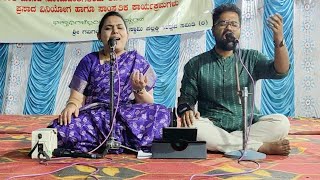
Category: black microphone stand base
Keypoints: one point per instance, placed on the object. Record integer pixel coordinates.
(246, 155)
(112, 144)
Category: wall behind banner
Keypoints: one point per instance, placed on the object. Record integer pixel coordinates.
(34, 78)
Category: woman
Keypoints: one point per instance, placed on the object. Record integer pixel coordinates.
(85, 123)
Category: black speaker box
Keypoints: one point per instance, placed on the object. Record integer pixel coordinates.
(179, 150)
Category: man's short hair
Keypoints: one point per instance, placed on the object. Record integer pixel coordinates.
(228, 7)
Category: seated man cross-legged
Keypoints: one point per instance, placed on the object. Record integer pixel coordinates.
(210, 80)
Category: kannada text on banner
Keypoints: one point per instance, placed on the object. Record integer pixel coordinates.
(28, 21)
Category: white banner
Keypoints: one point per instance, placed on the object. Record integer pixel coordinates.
(27, 21)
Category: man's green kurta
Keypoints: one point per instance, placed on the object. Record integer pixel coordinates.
(210, 80)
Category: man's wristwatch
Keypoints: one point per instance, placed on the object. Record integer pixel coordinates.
(182, 108)
(282, 43)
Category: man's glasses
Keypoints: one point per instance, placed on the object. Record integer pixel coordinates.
(224, 24)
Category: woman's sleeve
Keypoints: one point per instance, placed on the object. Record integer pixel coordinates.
(80, 77)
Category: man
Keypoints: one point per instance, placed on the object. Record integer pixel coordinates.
(210, 80)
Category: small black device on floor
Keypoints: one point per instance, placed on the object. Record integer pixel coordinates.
(179, 134)
(179, 143)
(61, 152)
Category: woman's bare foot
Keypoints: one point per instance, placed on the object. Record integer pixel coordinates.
(281, 147)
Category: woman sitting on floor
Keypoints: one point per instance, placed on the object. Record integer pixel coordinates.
(137, 120)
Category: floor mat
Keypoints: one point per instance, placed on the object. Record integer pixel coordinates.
(15, 140)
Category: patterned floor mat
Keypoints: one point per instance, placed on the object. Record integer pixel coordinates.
(15, 140)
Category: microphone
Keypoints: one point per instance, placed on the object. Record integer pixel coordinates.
(112, 42)
(60, 152)
(230, 37)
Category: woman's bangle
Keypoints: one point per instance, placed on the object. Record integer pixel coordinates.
(72, 102)
(138, 91)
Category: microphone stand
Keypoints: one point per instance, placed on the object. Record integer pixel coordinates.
(112, 143)
(243, 94)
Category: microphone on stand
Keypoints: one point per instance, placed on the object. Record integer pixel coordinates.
(230, 37)
(112, 143)
(112, 42)
(244, 154)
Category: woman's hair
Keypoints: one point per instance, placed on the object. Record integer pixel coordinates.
(108, 14)
(225, 8)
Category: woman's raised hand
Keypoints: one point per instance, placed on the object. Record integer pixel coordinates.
(138, 80)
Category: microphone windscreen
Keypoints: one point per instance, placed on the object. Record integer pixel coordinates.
(230, 37)
(112, 42)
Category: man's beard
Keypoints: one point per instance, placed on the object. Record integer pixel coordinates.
(225, 45)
